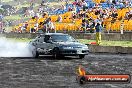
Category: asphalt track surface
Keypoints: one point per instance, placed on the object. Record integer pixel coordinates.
(45, 72)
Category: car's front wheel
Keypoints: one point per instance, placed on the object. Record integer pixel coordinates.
(56, 53)
(81, 56)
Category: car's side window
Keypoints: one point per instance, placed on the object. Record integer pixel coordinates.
(46, 38)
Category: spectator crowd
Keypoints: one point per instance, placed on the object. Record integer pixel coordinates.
(80, 15)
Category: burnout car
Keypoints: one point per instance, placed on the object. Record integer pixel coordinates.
(58, 45)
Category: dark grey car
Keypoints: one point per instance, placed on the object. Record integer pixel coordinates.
(58, 45)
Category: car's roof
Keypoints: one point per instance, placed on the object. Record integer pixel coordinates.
(53, 34)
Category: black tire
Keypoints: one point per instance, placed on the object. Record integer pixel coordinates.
(81, 56)
(37, 55)
(56, 53)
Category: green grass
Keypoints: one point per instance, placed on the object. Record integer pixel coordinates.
(15, 17)
(6, 0)
(109, 43)
(26, 5)
(19, 39)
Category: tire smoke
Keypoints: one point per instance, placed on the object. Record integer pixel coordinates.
(14, 49)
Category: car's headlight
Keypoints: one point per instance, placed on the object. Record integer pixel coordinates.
(67, 47)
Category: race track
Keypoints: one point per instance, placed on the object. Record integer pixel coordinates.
(46, 72)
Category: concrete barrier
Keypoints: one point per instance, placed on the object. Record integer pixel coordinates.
(110, 49)
(17, 35)
(112, 37)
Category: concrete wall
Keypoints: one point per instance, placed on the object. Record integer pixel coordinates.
(124, 37)
(110, 49)
(115, 36)
(15, 35)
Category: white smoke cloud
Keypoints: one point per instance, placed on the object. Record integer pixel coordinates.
(14, 49)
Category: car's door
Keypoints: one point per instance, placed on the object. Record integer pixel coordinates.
(41, 45)
(48, 42)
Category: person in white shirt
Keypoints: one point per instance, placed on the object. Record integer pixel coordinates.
(49, 25)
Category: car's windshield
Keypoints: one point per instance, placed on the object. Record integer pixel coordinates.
(62, 38)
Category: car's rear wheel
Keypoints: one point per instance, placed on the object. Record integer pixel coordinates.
(37, 55)
(81, 56)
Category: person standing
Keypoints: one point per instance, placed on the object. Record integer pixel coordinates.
(49, 25)
(98, 28)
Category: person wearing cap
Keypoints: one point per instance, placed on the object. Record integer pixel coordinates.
(98, 29)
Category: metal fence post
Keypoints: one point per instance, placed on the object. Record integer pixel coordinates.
(55, 29)
(46, 28)
(121, 27)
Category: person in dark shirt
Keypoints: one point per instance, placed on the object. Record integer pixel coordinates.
(98, 29)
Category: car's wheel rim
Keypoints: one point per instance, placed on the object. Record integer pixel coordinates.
(55, 55)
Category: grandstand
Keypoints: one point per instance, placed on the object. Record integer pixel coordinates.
(113, 17)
